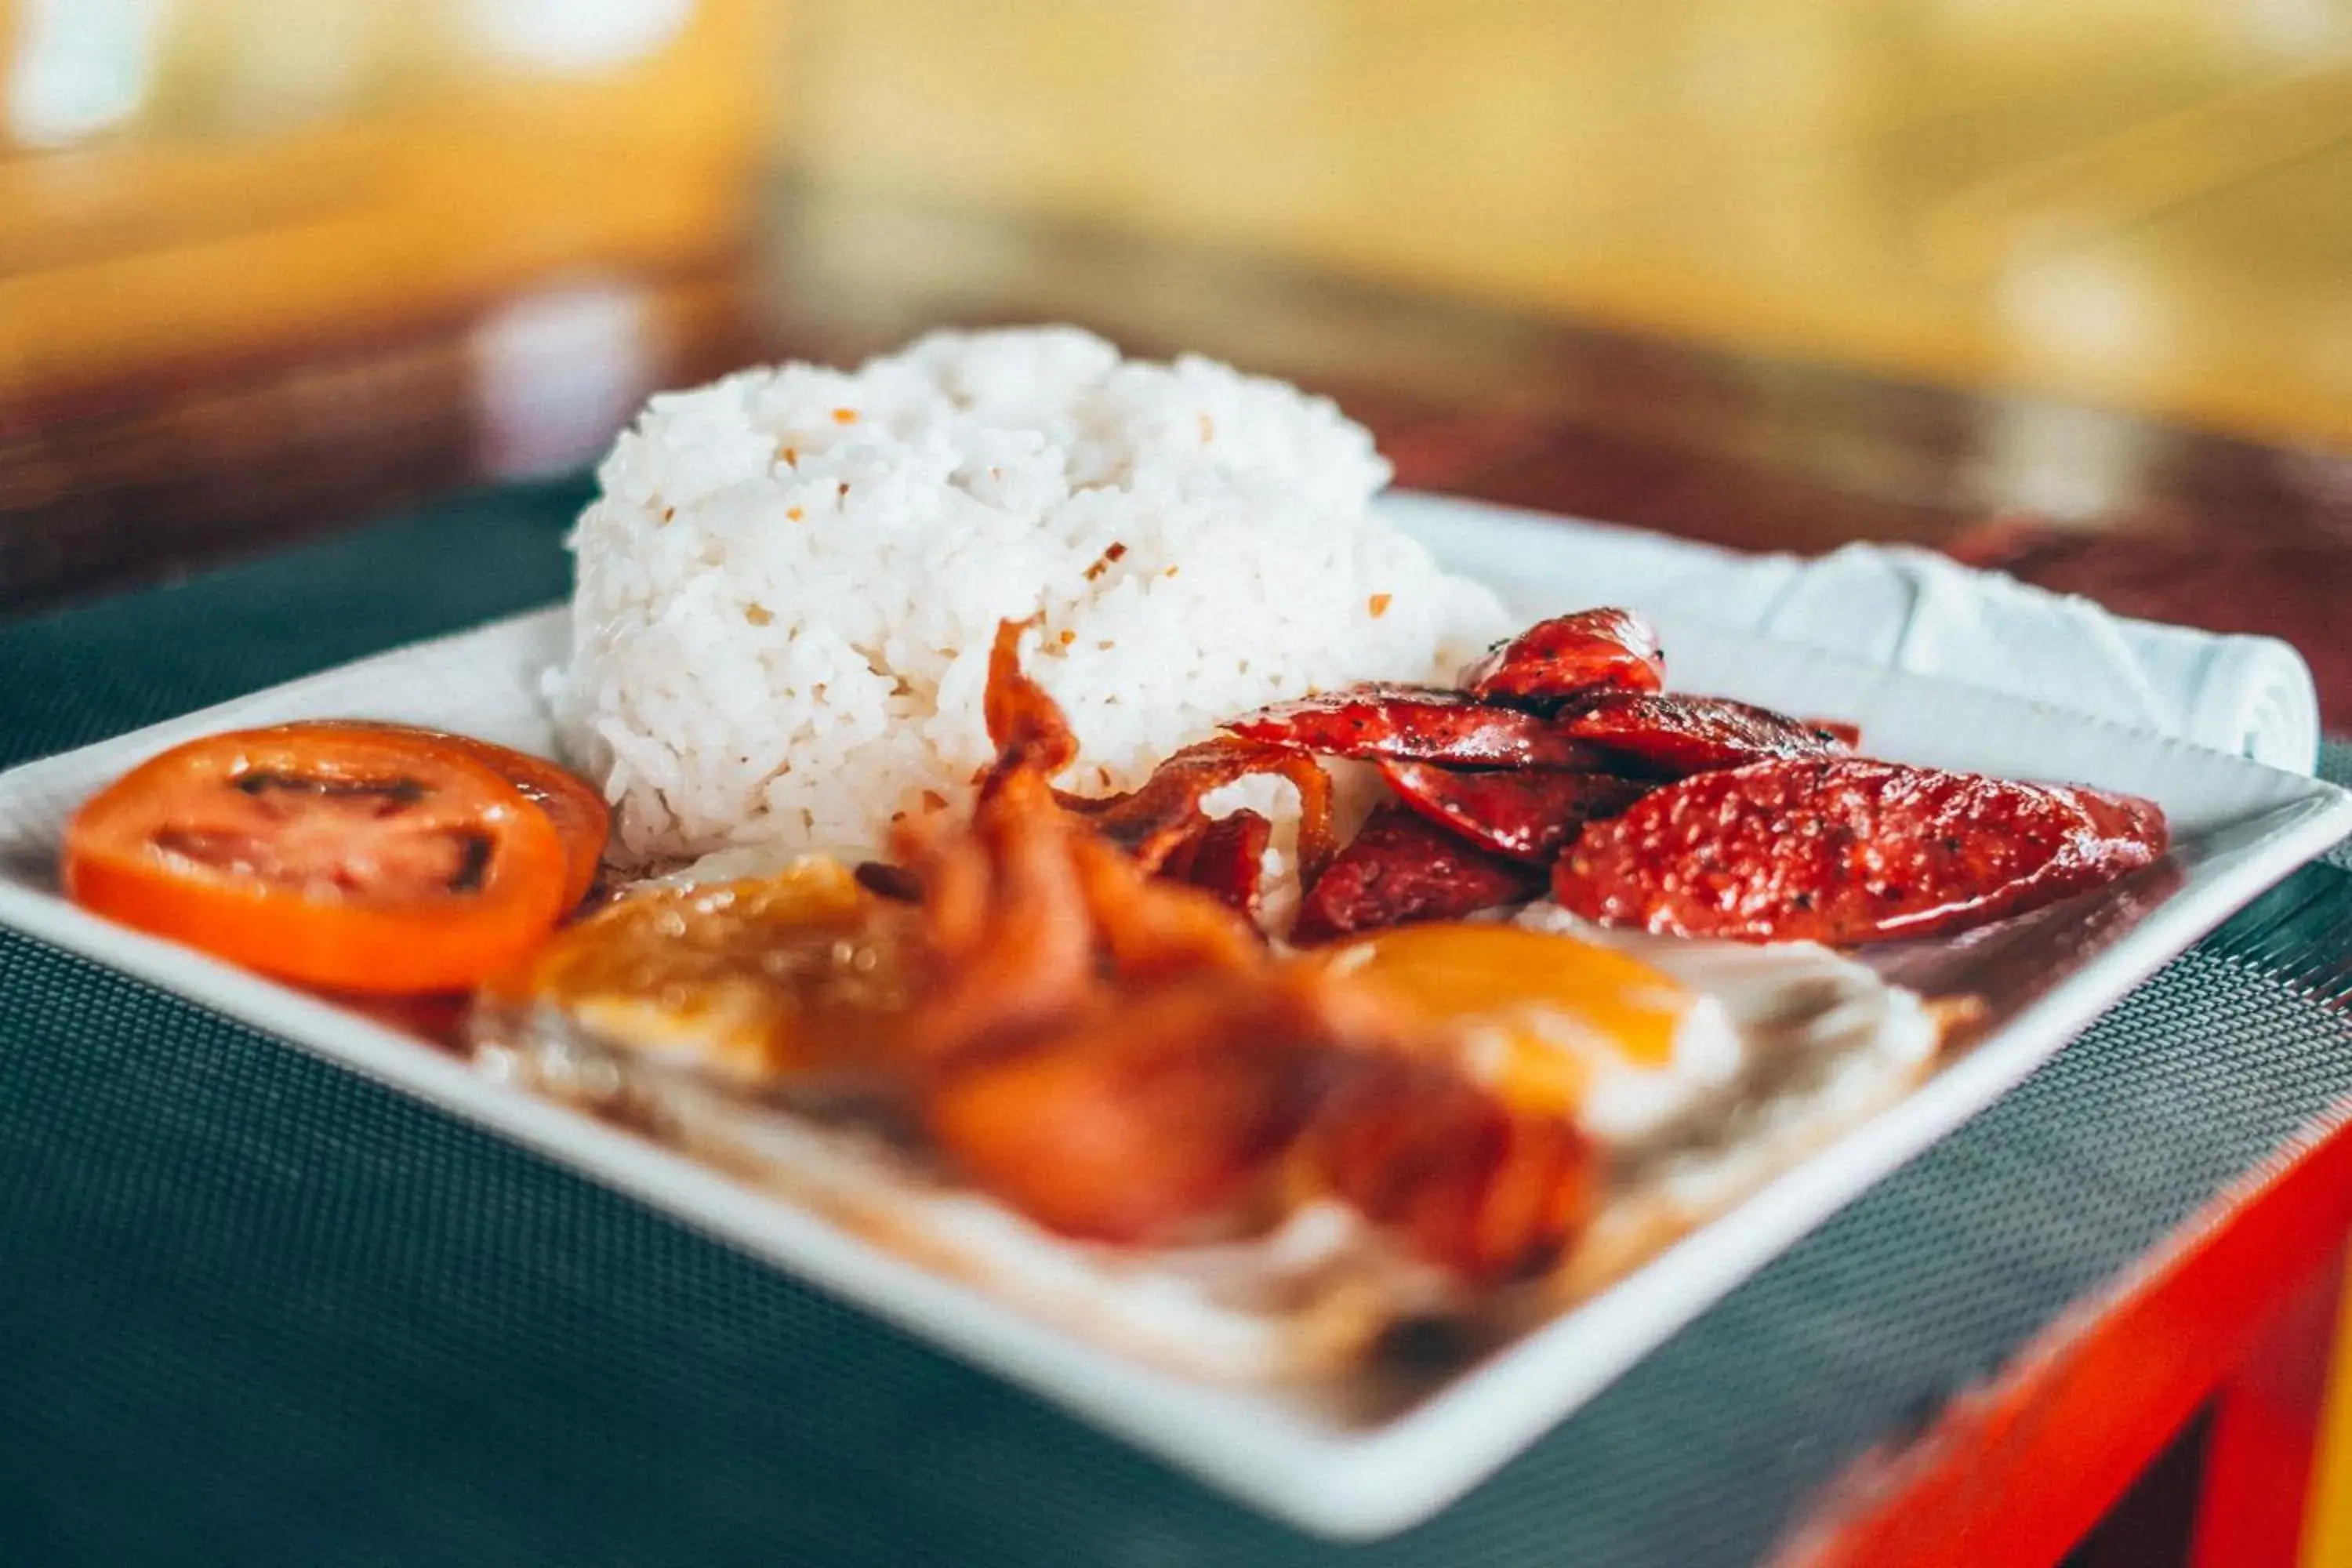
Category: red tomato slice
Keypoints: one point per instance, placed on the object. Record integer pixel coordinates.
(571, 801)
(374, 861)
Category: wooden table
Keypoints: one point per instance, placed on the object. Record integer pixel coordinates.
(2201, 1372)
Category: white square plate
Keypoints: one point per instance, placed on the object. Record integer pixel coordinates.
(2239, 829)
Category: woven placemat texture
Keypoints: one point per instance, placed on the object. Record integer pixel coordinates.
(256, 1310)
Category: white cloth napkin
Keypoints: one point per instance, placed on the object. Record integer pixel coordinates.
(1912, 609)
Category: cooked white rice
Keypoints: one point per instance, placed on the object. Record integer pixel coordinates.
(788, 587)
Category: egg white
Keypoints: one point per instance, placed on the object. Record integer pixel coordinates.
(1776, 1033)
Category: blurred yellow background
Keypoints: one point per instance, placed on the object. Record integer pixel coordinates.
(2139, 202)
(2147, 204)
(198, 178)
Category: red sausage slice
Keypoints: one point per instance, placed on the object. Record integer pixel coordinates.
(1401, 869)
(1676, 736)
(1527, 813)
(1564, 655)
(1842, 850)
(1424, 723)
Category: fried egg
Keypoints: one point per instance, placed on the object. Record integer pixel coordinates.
(750, 980)
(1699, 1071)
(1652, 1046)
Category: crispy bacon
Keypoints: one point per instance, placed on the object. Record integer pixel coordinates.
(1562, 658)
(1491, 1192)
(1004, 919)
(1121, 1058)
(1004, 911)
(1147, 929)
(1226, 860)
(1422, 723)
(1152, 821)
(1150, 1115)
(1025, 725)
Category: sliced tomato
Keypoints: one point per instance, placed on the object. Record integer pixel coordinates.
(571, 801)
(357, 859)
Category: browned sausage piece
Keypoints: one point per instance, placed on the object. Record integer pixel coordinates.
(1844, 849)
(1401, 867)
(1523, 812)
(1422, 723)
(1673, 736)
(1560, 657)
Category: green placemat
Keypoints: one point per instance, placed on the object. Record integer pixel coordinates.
(256, 1311)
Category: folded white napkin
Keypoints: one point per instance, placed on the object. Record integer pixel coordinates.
(1912, 609)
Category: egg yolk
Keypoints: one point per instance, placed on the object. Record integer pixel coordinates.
(1540, 1011)
(750, 978)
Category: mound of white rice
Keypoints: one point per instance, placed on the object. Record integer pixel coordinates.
(788, 587)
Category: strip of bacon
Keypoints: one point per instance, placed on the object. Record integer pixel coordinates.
(1152, 821)
(1226, 860)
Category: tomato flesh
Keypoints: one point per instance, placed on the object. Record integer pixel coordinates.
(332, 841)
(379, 862)
(579, 813)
